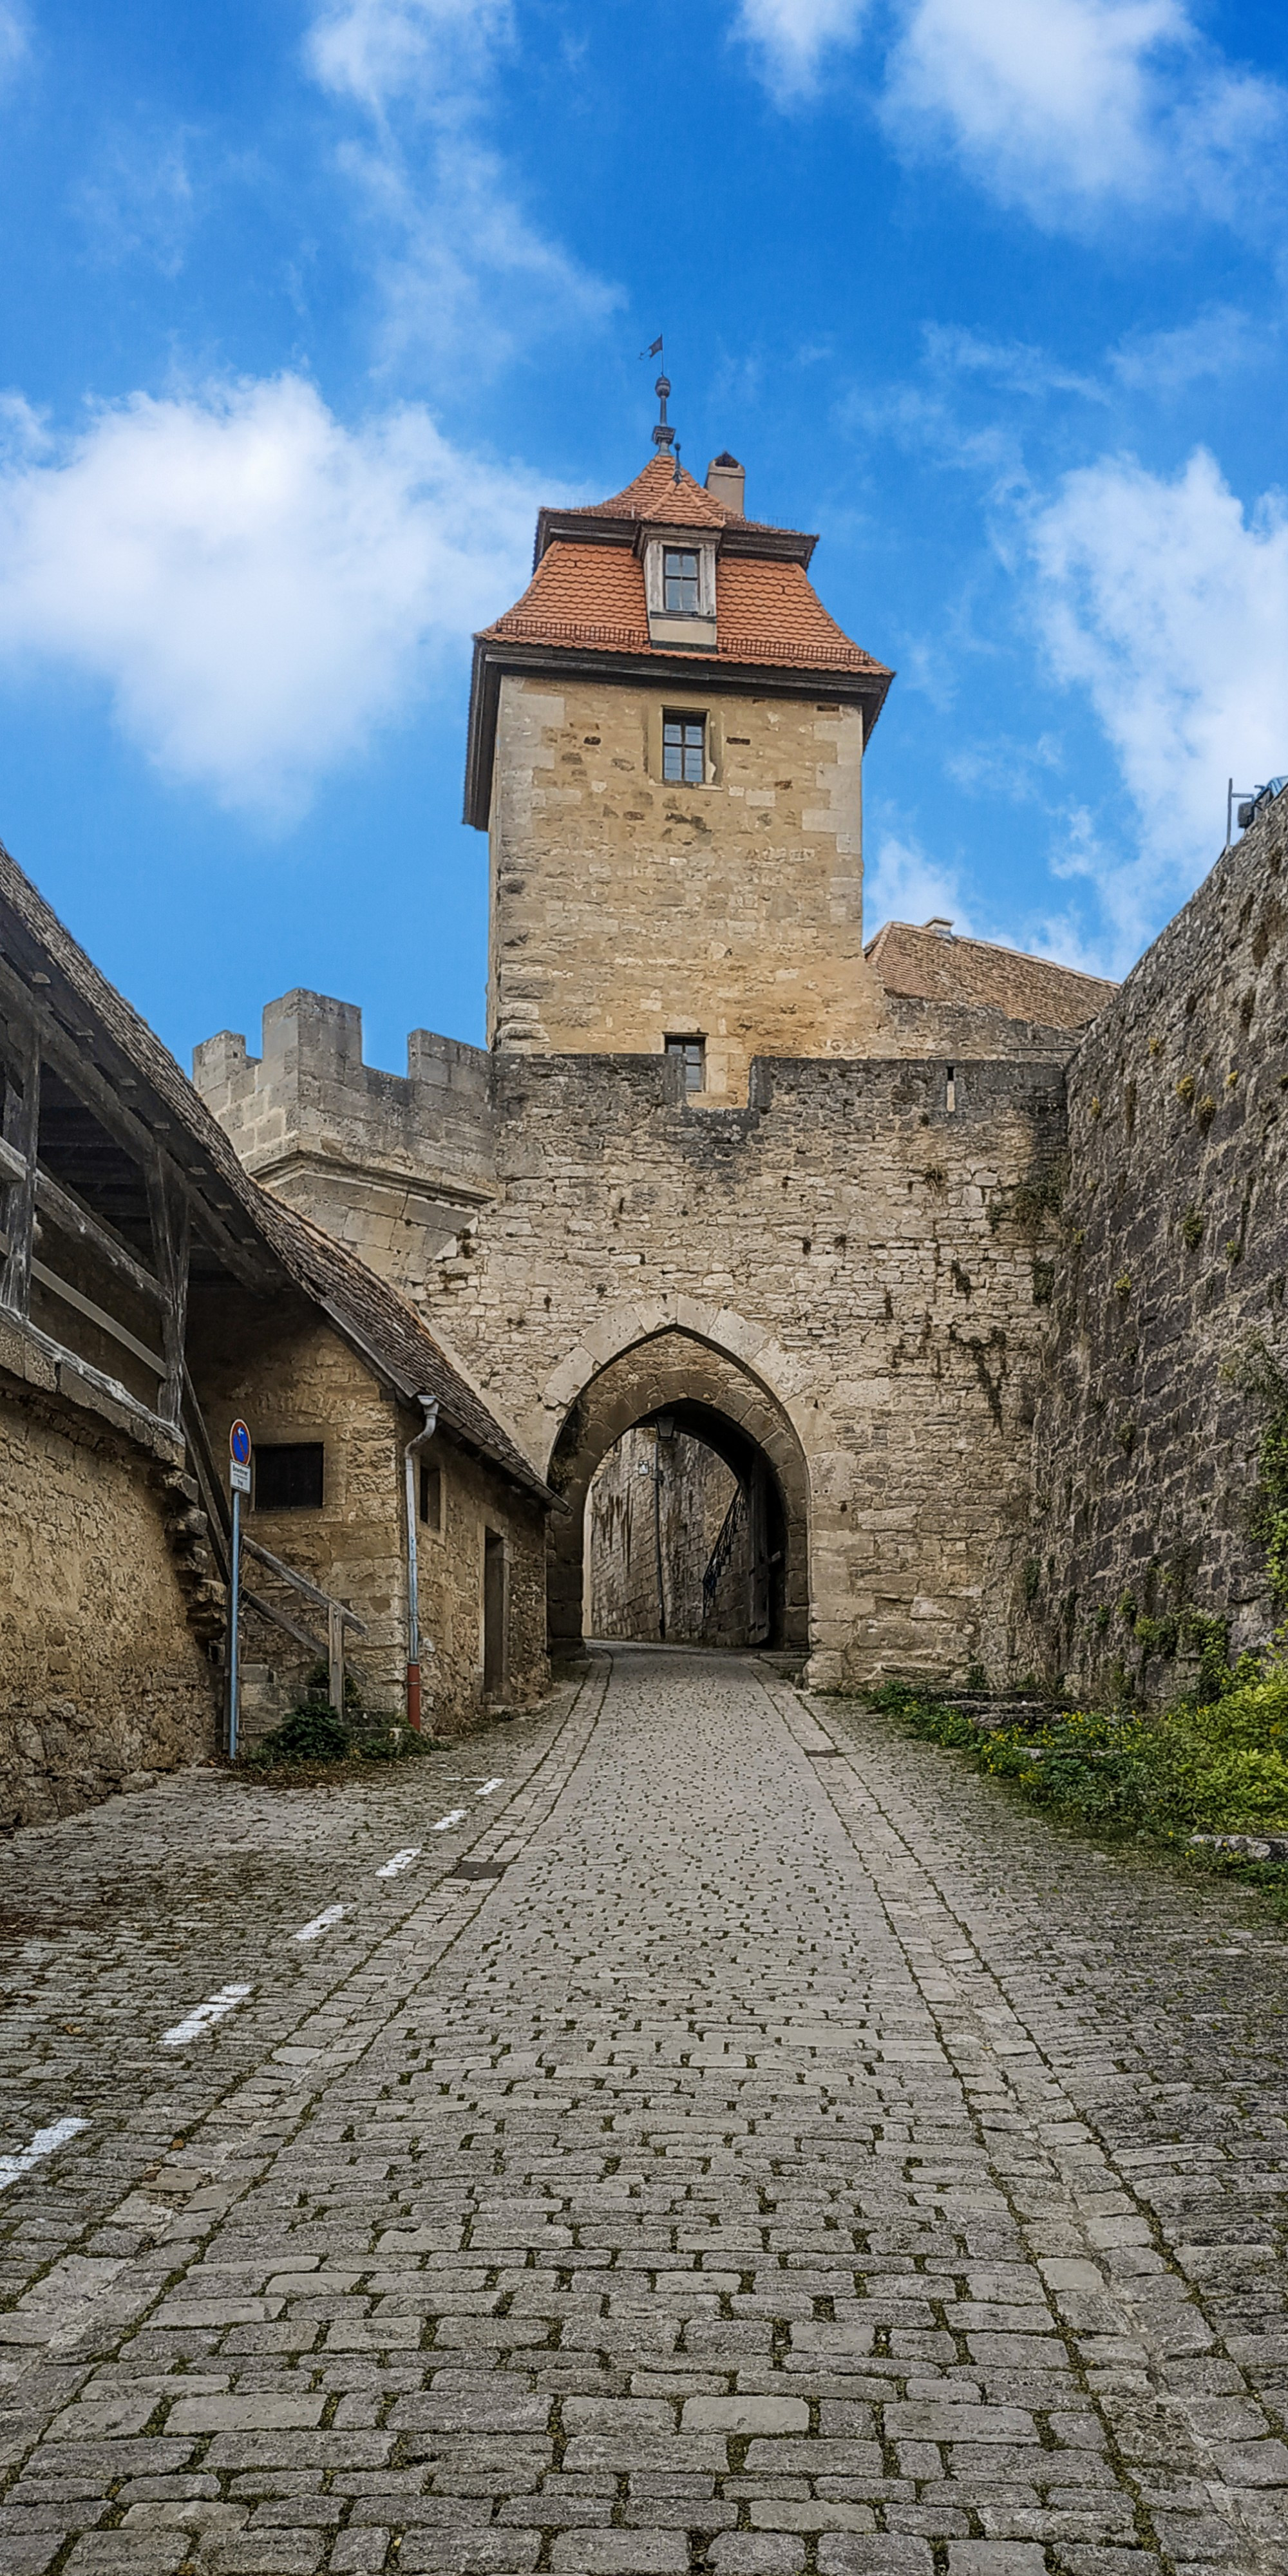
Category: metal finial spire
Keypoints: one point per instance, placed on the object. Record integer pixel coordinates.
(663, 433)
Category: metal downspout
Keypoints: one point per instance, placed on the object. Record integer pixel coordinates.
(429, 1407)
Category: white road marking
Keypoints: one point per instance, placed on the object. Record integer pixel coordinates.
(44, 2143)
(205, 2016)
(401, 1860)
(488, 1787)
(321, 1923)
(457, 1817)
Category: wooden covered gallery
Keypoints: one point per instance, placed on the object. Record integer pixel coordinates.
(149, 1294)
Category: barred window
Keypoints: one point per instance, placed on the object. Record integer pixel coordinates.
(288, 1477)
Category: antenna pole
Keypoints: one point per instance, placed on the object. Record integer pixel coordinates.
(1229, 812)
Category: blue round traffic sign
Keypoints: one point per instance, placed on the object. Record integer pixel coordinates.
(239, 1444)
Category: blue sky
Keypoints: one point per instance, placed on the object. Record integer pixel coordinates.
(308, 303)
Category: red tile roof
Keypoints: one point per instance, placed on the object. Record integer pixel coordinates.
(582, 595)
(655, 494)
(929, 966)
(593, 595)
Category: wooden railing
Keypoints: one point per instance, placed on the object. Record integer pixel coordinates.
(338, 1617)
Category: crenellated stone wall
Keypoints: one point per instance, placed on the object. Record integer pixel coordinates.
(393, 1165)
(863, 1260)
(1173, 1261)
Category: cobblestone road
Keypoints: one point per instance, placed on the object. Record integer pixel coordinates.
(795, 2158)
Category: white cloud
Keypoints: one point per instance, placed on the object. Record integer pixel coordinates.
(459, 268)
(1040, 96)
(1062, 107)
(1167, 603)
(14, 40)
(790, 37)
(433, 51)
(1017, 365)
(257, 587)
(139, 199)
(1215, 343)
(901, 884)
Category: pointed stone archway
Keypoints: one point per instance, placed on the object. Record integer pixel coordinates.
(716, 1395)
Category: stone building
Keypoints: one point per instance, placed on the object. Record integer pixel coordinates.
(719, 1162)
(150, 1292)
(907, 1303)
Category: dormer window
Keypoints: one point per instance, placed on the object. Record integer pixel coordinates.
(680, 581)
(680, 588)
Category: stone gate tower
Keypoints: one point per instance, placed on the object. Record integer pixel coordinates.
(666, 748)
(718, 1166)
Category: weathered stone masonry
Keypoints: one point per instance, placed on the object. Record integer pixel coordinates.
(1172, 1260)
(101, 1674)
(844, 1252)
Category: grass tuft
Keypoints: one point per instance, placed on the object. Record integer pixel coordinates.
(1220, 1767)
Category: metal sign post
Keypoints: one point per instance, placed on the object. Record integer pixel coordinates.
(239, 1447)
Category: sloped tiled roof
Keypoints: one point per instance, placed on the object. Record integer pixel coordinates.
(380, 1320)
(363, 1306)
(593, 596)
(582, 595)
(656, 494)
(924, 965)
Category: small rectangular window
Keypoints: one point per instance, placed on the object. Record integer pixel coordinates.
(693, 1055)
(288, 1477)
(431, 1495)
(679, 581)
(684, 749)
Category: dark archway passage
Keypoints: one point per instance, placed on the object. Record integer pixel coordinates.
(684, 1536)
(682, 1390)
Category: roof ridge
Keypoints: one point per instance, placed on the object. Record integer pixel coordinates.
(997, 947)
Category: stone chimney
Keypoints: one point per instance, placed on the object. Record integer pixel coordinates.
(727, 482)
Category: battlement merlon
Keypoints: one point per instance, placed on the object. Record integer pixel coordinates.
(393, 1164)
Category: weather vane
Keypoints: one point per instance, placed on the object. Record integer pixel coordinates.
(663, 432)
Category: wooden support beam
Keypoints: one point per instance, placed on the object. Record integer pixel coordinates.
(171, 1244)
(202, 1458)
(13, 1166)
(20, 1127)
(63, 1289)
(111, 1387)
(311, 1591)
(250, 1262)
(64, 1209)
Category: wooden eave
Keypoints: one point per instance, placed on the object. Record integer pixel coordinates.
(736, 537)
(494, 655)
(93, 1064)
(179, 1175)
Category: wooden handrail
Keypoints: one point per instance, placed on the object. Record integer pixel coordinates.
(311, 1591)
(266, 1610)
(63, 1289)
(67, 1211)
